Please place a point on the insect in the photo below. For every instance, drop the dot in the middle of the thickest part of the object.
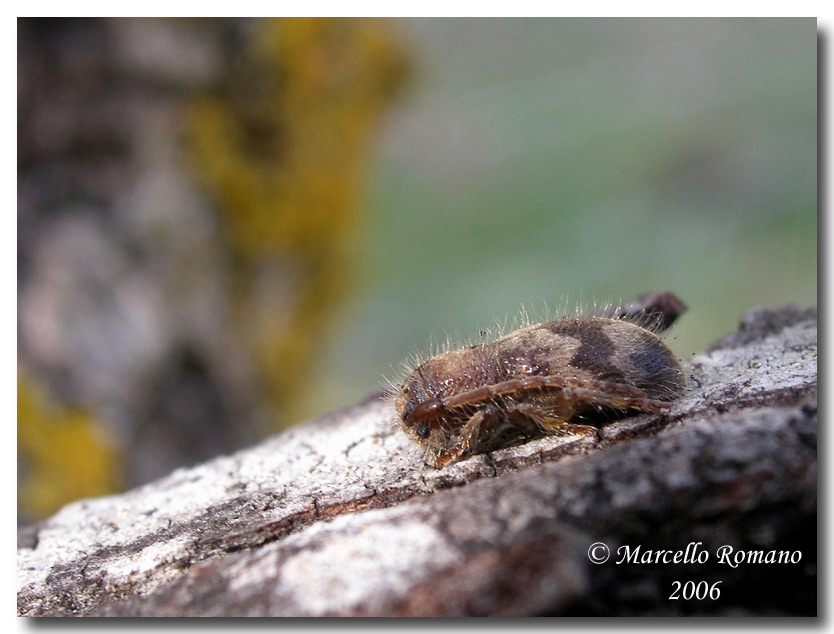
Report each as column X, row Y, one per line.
column 556, row 377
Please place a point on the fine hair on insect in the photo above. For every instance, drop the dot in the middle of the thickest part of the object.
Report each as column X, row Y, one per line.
column 554, row 377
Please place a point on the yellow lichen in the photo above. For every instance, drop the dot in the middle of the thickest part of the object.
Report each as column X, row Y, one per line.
column 282, row 146
column 63, row 454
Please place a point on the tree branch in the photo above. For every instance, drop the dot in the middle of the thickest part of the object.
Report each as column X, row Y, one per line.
column 341, row 515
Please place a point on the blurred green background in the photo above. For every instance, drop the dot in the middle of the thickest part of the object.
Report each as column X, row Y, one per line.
column 228, row 226
column 567, row 161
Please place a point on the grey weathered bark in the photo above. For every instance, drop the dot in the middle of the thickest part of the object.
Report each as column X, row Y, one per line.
column 340, row 516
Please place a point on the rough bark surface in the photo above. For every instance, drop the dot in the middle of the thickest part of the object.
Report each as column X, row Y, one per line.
column 341, row 515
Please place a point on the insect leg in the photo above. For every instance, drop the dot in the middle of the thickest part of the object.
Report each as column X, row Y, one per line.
column 623, row 400
column 468, row 436
column 622, row 393
column 551, row 423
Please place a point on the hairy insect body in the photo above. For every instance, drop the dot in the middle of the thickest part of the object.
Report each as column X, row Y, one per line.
column 550, row 378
